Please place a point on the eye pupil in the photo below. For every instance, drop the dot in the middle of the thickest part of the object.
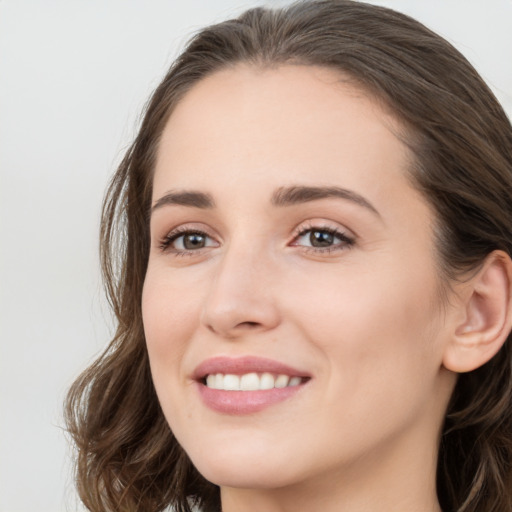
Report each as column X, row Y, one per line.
column 321, row 238
column 193, row 241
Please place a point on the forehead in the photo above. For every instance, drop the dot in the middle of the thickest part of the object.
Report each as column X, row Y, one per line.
column 279, row 125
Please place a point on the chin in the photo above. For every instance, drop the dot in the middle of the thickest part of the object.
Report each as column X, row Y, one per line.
column 244, row 468
column 243, row 476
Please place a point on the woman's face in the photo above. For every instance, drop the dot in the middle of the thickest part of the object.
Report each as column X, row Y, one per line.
column 287, row 240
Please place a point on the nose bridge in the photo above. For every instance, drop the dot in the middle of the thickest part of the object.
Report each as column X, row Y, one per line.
column 241, row 290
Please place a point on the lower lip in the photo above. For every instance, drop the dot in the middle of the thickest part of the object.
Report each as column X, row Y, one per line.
column 244, row 402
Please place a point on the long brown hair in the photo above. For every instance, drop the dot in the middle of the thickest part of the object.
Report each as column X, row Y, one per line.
column 127, row 457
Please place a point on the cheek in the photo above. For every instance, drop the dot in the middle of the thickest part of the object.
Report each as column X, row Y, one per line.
column 352, row 299
column 169, row 321
column 378, row 340
column 170, row 316
column 375, row 329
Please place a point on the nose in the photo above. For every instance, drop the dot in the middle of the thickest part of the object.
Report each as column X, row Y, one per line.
column 241, row 299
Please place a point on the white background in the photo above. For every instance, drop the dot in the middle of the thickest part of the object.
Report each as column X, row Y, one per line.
column 74, row 75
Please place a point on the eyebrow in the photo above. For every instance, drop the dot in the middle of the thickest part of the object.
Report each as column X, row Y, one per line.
column 288, row 196
column 283, row 196
column 185, row 198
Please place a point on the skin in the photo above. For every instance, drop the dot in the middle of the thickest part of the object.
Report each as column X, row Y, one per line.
column 364, row 319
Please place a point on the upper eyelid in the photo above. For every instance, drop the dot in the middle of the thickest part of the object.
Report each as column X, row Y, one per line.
column 324, row 224
column 192, row 227
column 319, row 227
column 300, row 228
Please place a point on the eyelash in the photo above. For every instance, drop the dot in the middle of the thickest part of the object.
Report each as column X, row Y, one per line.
column 346, row 241
column 166, row 242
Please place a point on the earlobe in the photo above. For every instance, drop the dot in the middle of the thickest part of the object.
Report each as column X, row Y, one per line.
column 487, row 316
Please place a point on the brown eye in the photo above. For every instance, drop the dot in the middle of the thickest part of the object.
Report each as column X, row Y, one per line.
column 187, row 242
column 194, row 241
column 321, row 239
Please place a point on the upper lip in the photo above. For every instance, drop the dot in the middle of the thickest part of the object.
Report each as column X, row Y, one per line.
column 246, row 364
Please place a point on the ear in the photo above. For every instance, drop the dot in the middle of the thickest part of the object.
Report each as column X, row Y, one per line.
column 486, row 314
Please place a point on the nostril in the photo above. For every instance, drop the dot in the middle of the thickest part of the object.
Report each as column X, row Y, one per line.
column 235, row 331
column 248, row 324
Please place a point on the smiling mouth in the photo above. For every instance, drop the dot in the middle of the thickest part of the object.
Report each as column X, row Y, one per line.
column 251, row 381
column 248, row 384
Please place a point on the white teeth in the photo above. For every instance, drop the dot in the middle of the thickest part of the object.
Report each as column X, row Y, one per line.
column 250, row 381
column 294, row 381
column 210, row 381
column 231, row 382
column 282, row 381
column 267, row 381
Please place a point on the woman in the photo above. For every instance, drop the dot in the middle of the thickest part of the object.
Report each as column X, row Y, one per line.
column 307, row 248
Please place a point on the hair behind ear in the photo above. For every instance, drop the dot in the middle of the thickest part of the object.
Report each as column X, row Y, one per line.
column 475, row 453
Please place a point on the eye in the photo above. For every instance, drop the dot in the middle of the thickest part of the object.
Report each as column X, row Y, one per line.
column 322, row 239
column 186, row 241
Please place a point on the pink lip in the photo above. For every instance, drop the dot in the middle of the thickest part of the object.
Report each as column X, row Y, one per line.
column 244, row 402
column 241, row 365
